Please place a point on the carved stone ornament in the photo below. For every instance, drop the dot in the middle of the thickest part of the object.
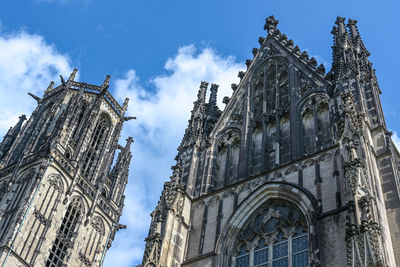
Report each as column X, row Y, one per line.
column 363, row 241
column 152, row 250
column 55, row 181
column 97, row 225
column 84, row 259
column 41, row 218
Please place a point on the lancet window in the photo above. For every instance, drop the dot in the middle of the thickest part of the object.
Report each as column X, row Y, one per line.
column 271, row 86
column 316, row 128
column 271, row 98
column 275, row 236
column 17, row 193
column 65, row 234
column 227, row 161
column 98, row 137
column 79, row 118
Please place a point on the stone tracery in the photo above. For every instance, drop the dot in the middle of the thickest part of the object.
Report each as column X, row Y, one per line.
column 276, row 235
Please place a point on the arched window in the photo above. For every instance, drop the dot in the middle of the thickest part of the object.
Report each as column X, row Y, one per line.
column 227, row 160
column 93, row 240
column 276, row 236
column 65, row 234
column 309, row 136
column 271, row 86
column 98, row 137
column 81, row 112
column 324, row 125
column 14, row 198
column 256, row 151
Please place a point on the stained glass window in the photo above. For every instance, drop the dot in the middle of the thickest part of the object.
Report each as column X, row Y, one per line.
column 277, row 238
column 243, row 258
column 261, row 254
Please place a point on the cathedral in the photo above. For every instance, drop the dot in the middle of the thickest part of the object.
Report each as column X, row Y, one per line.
column 299, row 169
column 61, row 196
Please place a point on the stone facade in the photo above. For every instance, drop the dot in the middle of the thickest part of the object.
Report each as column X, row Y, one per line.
column 298, row 170
column 60, row 196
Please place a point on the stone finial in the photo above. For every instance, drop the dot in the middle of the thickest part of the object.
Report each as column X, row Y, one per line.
column 261, row 40
column 104, row 86
column 312, row 62
column 321, row 69
column 72, row 76
column 201, row 95
column 248, row 62
column 254, row 51
column 339, row 20
column 296, row 50
column 352, row 22
column 234, row 86
column 177, row 174
column 225, row 100
column 62, row 80
column 290, row 44
column 270, row 24
column 213, row 94
column 50, row 87
column 304, row 56
column 340, row 25
column 125, row 105
column 106, row 81
column 129, row 141
column 356, row 37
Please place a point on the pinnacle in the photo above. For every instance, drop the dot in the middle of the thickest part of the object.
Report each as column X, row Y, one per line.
column 270, row 24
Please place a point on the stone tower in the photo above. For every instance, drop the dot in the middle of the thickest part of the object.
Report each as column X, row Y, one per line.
column 298, row 170
column 60, row 197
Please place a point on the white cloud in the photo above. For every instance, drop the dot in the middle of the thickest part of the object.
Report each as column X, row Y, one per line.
column 27, row 64
column 162, row 109
column 396, row 139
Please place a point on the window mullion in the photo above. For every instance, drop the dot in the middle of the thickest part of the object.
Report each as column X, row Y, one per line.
column 270, row 254
column 290, row 251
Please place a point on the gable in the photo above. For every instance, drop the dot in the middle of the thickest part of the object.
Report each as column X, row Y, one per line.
column 278, row 75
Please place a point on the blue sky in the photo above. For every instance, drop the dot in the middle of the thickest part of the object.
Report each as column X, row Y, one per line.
column 157, row 52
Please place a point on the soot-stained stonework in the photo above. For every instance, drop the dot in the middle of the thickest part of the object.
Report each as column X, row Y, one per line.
column 60, row 197
column 298, row 170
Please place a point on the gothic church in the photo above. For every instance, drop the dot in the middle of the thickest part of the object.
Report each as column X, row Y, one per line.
column 60, row 196
column 298, row 170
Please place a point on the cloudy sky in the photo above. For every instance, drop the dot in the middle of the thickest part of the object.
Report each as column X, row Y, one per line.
column 157, row 52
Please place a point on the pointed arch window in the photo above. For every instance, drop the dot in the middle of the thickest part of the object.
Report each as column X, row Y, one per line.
column 65, row 234
column 79, row 119
column 227, row 159
column 276, row 236
column 17, row 193
column 271, row 86
column 98, row 137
